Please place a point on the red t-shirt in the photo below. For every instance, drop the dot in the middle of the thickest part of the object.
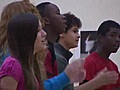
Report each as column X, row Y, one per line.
column 50, row 65
column 94, row 64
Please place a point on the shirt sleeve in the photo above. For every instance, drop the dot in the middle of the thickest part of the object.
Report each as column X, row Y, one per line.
column 57, row 83
column 11, row 68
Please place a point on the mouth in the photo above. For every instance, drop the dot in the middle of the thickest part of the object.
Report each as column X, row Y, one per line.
column 116, row 46
column 45, row 41
column 65, row 25
column 77, row 40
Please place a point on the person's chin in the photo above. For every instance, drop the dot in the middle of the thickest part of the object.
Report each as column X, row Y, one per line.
column 114, row 51
column 44, row 48
column 76, row 45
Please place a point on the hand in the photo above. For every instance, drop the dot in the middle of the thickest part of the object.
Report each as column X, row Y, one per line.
column 76, row 71
column 106, row 77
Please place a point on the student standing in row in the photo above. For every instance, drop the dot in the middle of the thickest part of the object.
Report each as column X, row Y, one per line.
column 108, row 41
column 54, row 25
column 66, row 41
column 10, row 10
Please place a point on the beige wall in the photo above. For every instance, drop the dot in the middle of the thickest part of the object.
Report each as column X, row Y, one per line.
column 91, row 13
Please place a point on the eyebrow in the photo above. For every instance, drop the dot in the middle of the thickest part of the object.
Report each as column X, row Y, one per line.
column 113, row 32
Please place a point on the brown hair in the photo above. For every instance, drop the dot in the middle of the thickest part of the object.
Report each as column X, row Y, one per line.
column 10, row 10
column 40, row 58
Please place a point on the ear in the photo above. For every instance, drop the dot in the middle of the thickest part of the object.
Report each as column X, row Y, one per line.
column 46, row 20
column 100, row 37
column 61, row 35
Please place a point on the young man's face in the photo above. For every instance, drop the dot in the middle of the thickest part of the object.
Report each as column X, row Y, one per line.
column 111, row 41
column 71, row 37
column 56, row 20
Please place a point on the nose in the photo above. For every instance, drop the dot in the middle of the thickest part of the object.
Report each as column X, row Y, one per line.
column 79, row 35
column 44, row 33
column 118, row 38
column 63, row 17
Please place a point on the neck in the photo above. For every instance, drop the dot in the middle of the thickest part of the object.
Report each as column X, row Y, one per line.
column 51, row 35
column 64, row 45
column 103, row 53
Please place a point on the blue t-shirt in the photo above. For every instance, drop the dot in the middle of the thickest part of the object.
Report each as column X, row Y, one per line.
column 57, row 82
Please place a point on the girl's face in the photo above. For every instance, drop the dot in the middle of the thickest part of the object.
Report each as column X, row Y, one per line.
column 41, row 41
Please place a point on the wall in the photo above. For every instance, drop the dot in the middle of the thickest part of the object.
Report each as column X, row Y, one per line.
column 91, row 13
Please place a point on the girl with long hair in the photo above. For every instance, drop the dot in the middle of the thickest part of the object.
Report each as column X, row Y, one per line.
column 10, row 10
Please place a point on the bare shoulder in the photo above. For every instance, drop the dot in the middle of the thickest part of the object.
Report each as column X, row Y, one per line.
column 8, row 83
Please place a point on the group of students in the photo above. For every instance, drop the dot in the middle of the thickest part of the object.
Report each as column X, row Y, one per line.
column 32, row 59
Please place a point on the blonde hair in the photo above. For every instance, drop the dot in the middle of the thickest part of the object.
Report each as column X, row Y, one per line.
column 40, row 57
column 10, row 10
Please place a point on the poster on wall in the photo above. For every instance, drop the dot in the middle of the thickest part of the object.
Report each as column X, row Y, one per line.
column 88, row 42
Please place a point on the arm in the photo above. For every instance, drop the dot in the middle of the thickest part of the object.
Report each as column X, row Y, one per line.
column 8, row 83
column 62, row 63
column 90, row 85
column 72, row 73
column 105, row 77
column 9, row 75
column 57, row 83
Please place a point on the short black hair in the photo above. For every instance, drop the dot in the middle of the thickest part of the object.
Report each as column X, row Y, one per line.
column 72, row 20
column 106, row 25
column 42, row 7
